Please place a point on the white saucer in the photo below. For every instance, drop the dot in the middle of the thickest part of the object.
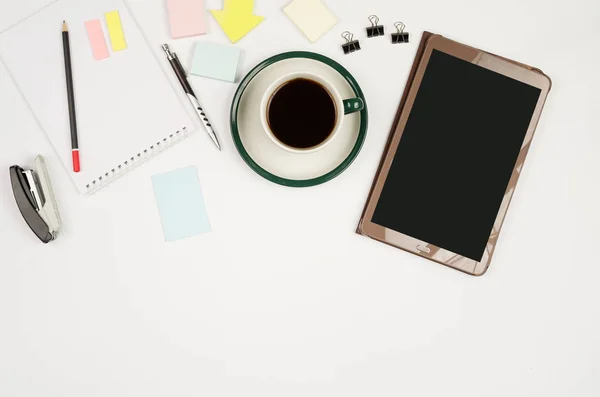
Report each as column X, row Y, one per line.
column 274, row 163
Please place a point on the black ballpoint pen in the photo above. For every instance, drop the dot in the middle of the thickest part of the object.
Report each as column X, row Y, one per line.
column 187, row 88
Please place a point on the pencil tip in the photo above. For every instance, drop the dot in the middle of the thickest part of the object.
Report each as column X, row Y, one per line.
column 64, row 26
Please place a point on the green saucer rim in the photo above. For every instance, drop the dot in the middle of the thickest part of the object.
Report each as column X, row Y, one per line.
column 297, row 182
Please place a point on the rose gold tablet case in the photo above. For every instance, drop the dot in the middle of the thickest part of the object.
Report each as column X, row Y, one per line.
column 515, row 70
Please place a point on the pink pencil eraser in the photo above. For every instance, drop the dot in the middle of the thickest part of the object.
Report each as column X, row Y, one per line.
column 186, row 18
column 96, row 38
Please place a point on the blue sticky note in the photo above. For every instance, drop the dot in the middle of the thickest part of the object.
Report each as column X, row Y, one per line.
column 180, row 203
column 216, row 61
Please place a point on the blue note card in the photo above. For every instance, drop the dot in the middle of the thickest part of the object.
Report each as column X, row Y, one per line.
column 216, row 61
column 180, row 203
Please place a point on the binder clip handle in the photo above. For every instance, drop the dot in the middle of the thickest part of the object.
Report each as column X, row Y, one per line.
column 400, row 26
column 348, row 37
column 374, row 19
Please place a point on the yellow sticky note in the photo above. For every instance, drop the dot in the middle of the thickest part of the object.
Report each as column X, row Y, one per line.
column 237, row 18
column 312, row 17
column 115, row 30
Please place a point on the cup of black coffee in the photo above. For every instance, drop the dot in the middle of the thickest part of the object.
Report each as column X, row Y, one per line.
column 302, row 112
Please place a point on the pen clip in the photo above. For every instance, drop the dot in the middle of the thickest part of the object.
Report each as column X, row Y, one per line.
column 179, row 65
column 174, row 60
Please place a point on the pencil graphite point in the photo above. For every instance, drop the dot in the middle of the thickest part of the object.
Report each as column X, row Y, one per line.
column 64, row 26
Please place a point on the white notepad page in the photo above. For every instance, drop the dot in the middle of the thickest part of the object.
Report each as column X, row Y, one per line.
column 127, row 110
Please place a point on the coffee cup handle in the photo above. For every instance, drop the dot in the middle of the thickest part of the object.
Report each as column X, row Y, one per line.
column 353, row 105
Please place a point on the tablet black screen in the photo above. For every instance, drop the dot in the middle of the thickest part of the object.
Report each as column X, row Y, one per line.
column 456, row 155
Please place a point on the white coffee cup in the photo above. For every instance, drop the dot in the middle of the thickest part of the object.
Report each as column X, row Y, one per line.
column 342, row 108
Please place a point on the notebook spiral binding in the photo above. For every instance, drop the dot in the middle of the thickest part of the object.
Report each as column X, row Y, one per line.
column 136, row 160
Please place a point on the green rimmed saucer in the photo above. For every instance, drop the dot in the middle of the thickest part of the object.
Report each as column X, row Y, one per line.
column 274, row 163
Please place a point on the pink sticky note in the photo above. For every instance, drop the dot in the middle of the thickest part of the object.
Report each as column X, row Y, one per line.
column 186, row 18
column 96, row 37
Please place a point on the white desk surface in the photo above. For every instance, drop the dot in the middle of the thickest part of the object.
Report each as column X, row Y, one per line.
column 282, row 298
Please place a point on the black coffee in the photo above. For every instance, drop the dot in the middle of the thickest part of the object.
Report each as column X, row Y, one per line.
column 301, row 114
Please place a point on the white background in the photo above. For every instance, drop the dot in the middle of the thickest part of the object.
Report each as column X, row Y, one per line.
column 282, row 298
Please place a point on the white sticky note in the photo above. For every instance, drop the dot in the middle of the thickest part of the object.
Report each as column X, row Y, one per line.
column 312, row 17
column 180, row 203
column 216, row 61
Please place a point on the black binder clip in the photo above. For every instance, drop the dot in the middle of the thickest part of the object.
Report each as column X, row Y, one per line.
column 351, row 44
column 375, row 30
column 401, row 36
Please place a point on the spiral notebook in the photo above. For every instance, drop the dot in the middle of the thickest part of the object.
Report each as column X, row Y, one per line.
column 127, row 111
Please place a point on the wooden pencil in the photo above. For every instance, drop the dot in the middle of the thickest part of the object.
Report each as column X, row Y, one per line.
column 70, row 97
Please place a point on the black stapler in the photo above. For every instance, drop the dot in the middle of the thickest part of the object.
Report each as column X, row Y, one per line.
column 35, row 199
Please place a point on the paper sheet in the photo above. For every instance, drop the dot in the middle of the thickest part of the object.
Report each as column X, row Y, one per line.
column 186, row 18
column 312, row 17
column 216, row 61
column 180, row 204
